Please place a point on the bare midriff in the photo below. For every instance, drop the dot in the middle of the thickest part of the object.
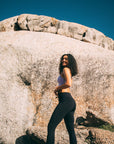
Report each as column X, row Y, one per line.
column 66, row 90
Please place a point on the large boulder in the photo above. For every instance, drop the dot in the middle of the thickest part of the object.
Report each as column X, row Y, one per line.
column 38, row 23
column 28, row 75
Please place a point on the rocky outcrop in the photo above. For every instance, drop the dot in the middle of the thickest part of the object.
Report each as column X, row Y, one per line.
column 9, row 24
column 99, row 136
column 84, row 136
column 48, row 24
column 39, row 134
column 28, row 75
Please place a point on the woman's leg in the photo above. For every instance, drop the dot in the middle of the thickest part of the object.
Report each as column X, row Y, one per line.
column 69, row 122
column 59, row 113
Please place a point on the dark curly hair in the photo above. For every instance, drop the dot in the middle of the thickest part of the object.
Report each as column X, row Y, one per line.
column 71, row 64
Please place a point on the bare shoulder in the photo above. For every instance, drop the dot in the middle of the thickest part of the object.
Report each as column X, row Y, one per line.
column 67, row 73
column 66, row 70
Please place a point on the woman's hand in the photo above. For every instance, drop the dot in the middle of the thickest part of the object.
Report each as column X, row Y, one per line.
column 57, row 90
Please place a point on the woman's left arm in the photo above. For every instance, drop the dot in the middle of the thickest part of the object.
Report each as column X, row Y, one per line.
column 68, row 80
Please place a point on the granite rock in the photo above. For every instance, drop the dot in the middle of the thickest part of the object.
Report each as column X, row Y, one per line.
column 28, row 75
column 40, row 23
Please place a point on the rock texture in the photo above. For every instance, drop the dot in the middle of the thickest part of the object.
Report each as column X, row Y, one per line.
column 98, row 136
column 48, row 24
column 28, row 75
column 84, row 136
column 40, row 133
column 101, row 136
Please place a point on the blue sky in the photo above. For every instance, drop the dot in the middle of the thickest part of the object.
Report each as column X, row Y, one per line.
column 98, row 14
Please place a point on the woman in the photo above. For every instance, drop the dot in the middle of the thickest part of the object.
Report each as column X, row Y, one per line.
column 66, row 107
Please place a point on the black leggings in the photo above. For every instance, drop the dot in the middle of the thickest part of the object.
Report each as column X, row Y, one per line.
column 65, row 109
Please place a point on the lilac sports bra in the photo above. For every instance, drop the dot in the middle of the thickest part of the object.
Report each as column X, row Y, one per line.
column 61, row 80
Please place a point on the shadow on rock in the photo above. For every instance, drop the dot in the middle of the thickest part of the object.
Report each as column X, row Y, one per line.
column 25, row 139
column 90, row 121
column 1, row 141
